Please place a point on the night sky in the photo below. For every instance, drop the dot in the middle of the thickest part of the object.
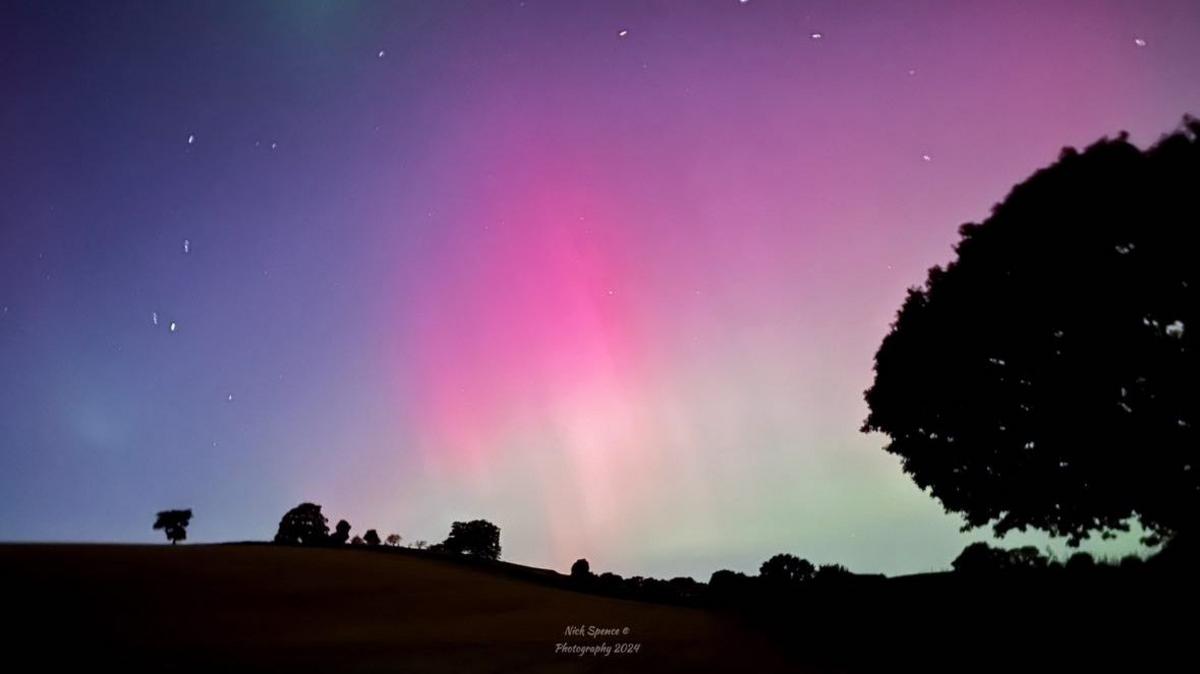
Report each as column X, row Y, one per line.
column 608, row 274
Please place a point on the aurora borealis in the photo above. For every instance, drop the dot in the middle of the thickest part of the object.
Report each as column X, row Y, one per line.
column 608, row 274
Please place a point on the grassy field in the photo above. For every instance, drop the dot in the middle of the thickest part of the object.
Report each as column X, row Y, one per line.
column 233, row 608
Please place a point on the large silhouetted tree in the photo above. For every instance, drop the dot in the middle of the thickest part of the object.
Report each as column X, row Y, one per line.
column 174, row 524
column 371, row 537
column 1045, row 378
column 303, row 525
column 477, row 538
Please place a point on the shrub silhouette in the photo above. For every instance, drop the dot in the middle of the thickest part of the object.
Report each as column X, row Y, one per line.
column 303, row 525
column 785, row 569
column 581, row 570
column 341, row 533
column 174, row 524
column 357, row 540
column 371, row 537
column 1044, row 378
column 477, row 538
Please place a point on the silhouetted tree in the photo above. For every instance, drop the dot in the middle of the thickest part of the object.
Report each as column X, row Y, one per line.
column 977, row 556
column 1026, row 557
column 1132, row 562
column 725, row 579
column 357, row 540
column 581, row 569
column 832, row 573
column 610, row 582
column 341, row 533
column 785, row 569
column 393, row 540
column 477, row 538
column 371, row 537
column 981, row 557
column 421, row 545
column 684, row 587
column 1045, row 377
column 174, row 524
column 1081, row 561
column 303, row 525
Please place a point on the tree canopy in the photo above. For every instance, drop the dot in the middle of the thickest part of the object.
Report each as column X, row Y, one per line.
column 1044, row 377
column 786, row 569
column 174, row 524
column 477, row 538
column 303, row 525
column 341, row 533
column 581, row 569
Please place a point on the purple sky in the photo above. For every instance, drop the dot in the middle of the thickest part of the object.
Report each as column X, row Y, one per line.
column 609, row 274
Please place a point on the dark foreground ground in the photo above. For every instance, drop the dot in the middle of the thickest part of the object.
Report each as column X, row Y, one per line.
column 261, row 608
column 256, row 608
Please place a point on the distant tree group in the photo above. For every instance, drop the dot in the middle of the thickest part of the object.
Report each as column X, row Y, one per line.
column 780, row 579
column 174, row 524
column 477, row 538
column 1045, row 378
column 981, row 557
column 306, row 525
column 303, row 525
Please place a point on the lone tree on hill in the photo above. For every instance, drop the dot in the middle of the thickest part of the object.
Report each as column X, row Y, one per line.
column 174, row 524
column 393, row 540
column 371, row 537
column 785, row 569
column 1045, row 377
column 477, row 538
column 303, row 525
